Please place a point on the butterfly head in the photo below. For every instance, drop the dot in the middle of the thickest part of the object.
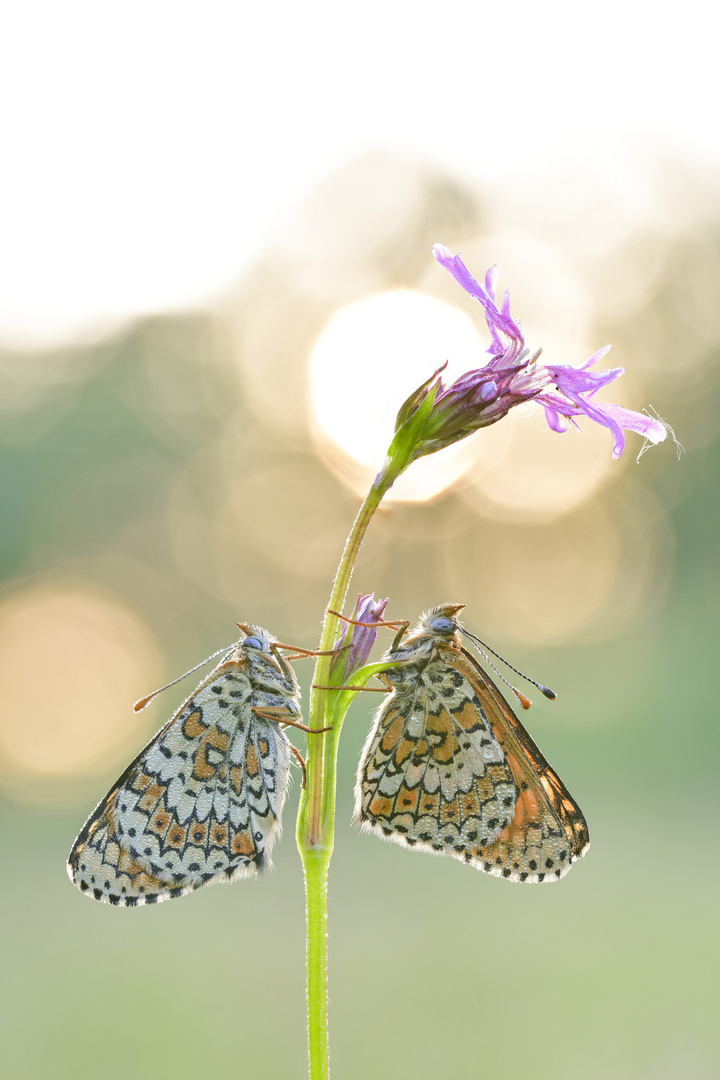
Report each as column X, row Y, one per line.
column 438, row 626
column 263, row 663
column 441, row 622
column 256, row 638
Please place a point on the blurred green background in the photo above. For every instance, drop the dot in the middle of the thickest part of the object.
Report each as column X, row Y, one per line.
column 172, row 478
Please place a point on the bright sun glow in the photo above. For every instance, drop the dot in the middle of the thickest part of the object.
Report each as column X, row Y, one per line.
column 368, row 359
column 147, row 154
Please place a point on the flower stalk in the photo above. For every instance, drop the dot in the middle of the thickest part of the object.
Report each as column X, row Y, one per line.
column 316, row 815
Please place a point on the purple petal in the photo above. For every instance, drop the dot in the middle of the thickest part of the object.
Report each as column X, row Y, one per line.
column 491, row 281
column 367, row 610
column 571, row 380
column 597, row 356
column 568, row 405
column 496, row 320
column 647, row 426
column 602, row 414
column 556, row 422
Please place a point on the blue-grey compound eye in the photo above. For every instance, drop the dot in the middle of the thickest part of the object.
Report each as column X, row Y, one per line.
column 442, row 625
column 253, row 643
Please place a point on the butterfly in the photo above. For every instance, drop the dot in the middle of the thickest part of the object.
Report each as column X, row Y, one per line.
column 448, row 768
column 202, row 802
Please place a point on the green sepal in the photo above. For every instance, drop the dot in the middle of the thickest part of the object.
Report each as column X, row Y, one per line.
column 416, row 398
column 410, row 432
column 337, row 663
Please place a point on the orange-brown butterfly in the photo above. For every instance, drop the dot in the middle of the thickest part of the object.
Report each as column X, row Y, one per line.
column 448, row 768
column 202, row 802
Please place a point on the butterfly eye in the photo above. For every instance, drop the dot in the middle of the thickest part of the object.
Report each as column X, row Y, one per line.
column 253, row 642
column 443, row 625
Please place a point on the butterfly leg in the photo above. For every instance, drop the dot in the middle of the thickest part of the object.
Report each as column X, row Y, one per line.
column 400, row 625
column 280, row 716
column 300, row 653
column 301, row 759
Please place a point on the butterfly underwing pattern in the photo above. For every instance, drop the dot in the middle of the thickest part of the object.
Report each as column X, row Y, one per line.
column 202, row 802
column 449, row 769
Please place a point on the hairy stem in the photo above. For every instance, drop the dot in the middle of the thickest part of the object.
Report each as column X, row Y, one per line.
column 316, row 816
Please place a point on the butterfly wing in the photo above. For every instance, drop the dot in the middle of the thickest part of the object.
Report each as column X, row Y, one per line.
column 432, row 774
column 548, row 831
column 201, row 803
column 99, row 865
column 449, row 768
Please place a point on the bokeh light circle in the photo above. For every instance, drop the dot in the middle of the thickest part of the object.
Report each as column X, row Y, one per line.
column 368, row 359
column 72, row 661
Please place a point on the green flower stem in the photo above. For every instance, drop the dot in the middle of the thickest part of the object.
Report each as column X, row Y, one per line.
column 316, row 816
column 315, row 864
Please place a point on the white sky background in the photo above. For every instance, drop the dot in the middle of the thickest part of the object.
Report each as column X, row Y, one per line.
column 150, row 149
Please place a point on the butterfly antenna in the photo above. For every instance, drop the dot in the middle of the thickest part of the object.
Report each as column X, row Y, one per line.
column 146, row 700
column 524, row 701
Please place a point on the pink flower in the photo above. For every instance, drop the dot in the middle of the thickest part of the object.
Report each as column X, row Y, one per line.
column 513, row 376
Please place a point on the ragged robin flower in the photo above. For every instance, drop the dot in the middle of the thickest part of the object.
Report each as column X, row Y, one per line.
column 511, row 377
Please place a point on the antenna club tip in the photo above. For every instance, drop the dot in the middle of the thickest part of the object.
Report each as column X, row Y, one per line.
column 140, row 705
column 524, row 701
column 548, row 692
